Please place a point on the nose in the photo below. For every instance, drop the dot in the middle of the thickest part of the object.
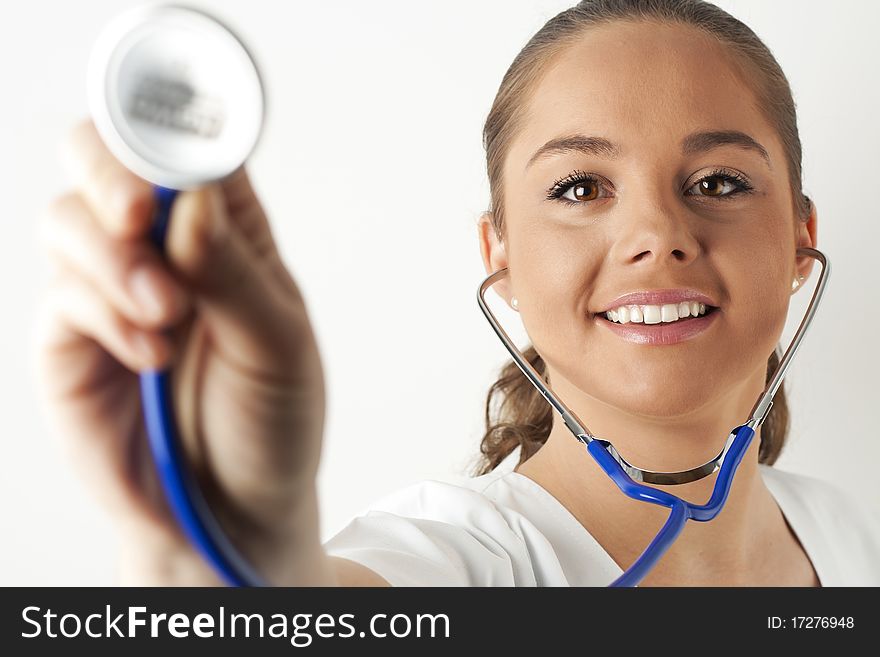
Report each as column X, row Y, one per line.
column 653, row 232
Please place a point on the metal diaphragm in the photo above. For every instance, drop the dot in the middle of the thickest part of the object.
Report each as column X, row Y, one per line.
column 175, row 95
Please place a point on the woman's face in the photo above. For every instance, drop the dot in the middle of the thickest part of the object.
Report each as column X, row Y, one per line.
column 648, row 222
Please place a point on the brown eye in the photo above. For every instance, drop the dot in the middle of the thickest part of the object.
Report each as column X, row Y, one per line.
column 713, row 186
column 576, row 189
column 719, row 185
column 585, row 191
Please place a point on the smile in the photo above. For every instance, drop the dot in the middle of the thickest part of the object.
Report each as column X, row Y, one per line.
column 655, row 314
column 654, row 326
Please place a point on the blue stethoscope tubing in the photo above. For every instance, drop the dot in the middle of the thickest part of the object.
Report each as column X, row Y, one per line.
column 681, row 510
column 189, row 506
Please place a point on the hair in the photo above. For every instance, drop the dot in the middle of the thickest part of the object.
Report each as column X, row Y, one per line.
column 516, row 414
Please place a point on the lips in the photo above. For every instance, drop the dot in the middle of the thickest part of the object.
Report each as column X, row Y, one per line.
column 664, row 333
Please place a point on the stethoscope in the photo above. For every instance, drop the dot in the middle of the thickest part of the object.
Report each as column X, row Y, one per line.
column 179, row 100
column 628, row 477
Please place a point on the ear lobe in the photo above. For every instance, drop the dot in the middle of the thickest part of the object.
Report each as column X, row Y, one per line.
column 493, row 252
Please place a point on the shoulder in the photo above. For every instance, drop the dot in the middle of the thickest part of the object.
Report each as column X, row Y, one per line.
column 839, row 526
column 443, row 533
column 822, row 497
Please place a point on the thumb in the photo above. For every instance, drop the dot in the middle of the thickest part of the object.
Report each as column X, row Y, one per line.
column 247, row 311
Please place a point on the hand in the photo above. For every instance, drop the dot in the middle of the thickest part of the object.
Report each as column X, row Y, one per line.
column 247, row 382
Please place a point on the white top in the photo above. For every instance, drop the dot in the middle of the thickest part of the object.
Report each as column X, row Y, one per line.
column 504, row 529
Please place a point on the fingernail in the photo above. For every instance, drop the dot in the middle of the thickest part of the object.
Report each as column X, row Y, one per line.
column 146, row 290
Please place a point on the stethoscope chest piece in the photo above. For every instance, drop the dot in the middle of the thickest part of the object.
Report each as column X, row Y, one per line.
column 175, row 95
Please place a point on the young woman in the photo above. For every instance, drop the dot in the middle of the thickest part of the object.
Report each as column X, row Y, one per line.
column 632, row 147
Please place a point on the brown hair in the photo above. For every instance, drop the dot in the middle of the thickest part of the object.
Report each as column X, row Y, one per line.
column 516, row 413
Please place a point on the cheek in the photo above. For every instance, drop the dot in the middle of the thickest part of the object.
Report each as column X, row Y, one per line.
column 551, row 276
column 759, row 299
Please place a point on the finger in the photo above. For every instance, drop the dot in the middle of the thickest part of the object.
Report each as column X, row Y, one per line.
column 78, row 310
column 130, row 274
column 122, row 202
column 93, row 414
column 247, row 213
column 248, row 216
column 260, row 322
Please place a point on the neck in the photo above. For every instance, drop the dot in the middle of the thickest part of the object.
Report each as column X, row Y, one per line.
column 728, row 546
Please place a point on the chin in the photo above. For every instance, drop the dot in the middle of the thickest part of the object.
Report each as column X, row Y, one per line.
column 653, row 389
column 661, row 397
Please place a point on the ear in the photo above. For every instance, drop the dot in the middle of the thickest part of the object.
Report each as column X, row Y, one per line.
column 494, row 254
column 806, row 235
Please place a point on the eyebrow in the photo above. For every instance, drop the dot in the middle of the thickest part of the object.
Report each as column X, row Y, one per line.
column 697, row 142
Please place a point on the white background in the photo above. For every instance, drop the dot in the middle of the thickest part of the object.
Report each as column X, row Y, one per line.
column 372, row 170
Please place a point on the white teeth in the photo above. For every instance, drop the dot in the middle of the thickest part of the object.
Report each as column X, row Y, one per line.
column 667, row 312
column 652, row 314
